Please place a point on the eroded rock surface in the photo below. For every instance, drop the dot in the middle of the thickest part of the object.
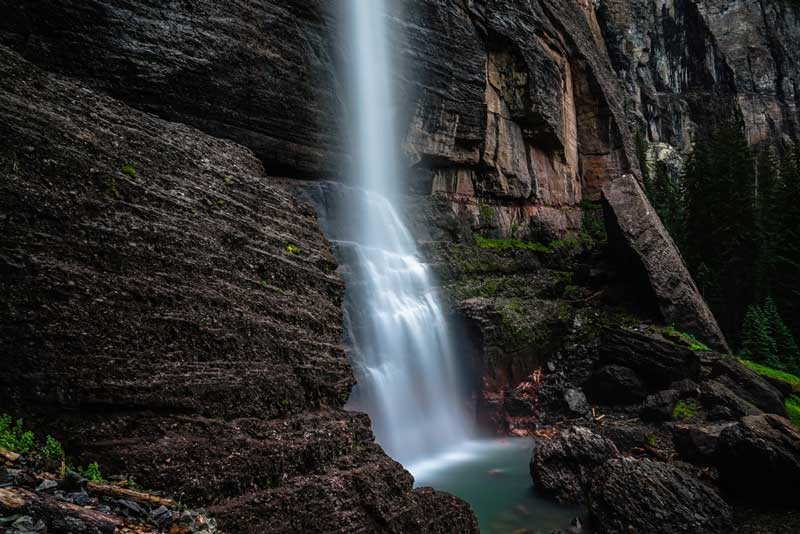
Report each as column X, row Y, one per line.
column 169, row 313
column 629, row 495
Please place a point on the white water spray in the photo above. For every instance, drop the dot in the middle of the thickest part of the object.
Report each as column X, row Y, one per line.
column 409, row 379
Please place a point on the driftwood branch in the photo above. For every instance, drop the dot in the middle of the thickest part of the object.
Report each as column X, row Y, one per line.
column 119, row 492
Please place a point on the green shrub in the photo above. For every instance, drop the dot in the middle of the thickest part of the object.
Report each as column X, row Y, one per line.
column 13, row 437
column 685, row 410
column 92, row 472
column 52, row 449
column 792, row 406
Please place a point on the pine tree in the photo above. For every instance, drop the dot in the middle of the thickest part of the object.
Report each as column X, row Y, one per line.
column 757, row 343
column 786, row 350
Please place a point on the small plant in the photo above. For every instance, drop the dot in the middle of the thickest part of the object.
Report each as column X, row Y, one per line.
column 52, row 449
column 129, row 170
column 220, row 202
column 14, row 437
column 194, row 212
column 651, row 440
column 291, row 248
column 285, row 402
column 264, row 284
column 204, row 323
column 92, row 472
column 685, row 410
column 228, row 180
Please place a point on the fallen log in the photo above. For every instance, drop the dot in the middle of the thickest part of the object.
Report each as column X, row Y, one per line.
column 119, row 492
column 8, row 455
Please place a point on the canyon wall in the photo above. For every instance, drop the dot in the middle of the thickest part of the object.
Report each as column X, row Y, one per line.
column 159, row 279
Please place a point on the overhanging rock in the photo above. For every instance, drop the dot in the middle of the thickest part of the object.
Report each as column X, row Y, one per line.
column 644, row 248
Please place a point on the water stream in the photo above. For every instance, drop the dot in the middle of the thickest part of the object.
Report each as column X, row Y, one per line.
column 410, row 379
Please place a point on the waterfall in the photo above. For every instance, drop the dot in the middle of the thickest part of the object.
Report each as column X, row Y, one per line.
column 408, row 374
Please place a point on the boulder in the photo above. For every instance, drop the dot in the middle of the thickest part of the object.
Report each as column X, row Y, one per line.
column 649, row 254
column 561, row 466
column 722, row 404
column 628, row 495
column 615, row 384
column 657, row 362
column 759, row 459
column 658, row 407
column 576, row 401
column 747, row 385
column 698, row 443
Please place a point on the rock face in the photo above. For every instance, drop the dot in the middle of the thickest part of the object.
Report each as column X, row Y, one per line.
column 156, row 318
column 639, row 496
column 759, row 459
column 645, row 246
column 562, row 467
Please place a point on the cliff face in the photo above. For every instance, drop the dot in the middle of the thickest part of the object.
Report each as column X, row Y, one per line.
column 171, row 314
column 157, row 278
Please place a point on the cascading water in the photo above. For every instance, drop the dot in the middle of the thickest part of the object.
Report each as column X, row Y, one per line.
column 408, row 376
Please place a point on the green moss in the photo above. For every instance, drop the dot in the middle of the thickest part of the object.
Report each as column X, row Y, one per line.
column 685, row 410
column 792, row 405
column 763, row 370
column 14, row 437
column 510, row 244
column 683, row 338
column 129, row 170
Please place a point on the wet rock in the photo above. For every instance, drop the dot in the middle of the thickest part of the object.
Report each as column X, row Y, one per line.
column 698, row 443
column 73, row 481
column 722, row 404
column 561, row 466
column 686, row 388
column 658, row 407
column 576, row 401
column 657, row 362
column 47, row 485
column 615, row 384
column 759, row 459
column 747, row 385
column 649, row 254
column 629, row 495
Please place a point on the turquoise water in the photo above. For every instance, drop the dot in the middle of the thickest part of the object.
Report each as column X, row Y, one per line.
column 494, row 477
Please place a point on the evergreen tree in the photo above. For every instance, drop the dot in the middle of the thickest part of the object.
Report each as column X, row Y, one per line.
column 721, row 220
column 786, row 351
column 757, row 343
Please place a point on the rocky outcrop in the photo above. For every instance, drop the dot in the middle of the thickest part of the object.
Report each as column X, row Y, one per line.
column 644, row 246
column 629, row 495
column 171, row 314
column 658, row 363
column 759, row 459
column 562, row 466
